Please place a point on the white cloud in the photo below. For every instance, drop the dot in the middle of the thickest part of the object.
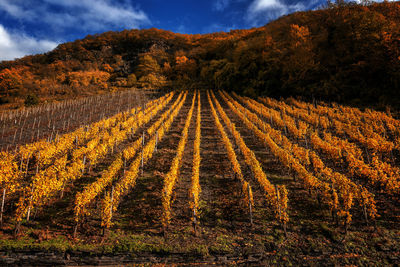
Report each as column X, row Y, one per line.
column 16, row 45
column 14, row 10
column 95, row 15
column 262, row 11
column 100, row 14
column 260, row 5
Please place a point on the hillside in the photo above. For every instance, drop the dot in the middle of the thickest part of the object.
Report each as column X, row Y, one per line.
column 348, row 54
column 200, row 178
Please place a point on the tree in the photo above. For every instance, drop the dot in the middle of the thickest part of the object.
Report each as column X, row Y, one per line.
column 152, row 81
column 299, row 60
column 132, row 80
column 10, row 82
column 86, row 78
column 147, row 65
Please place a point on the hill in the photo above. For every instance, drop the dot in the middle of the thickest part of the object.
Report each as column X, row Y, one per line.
column 346, row 53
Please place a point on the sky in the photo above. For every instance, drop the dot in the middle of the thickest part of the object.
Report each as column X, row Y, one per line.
column 37, row 26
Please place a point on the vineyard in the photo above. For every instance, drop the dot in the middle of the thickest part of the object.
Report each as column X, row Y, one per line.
column 203, row 174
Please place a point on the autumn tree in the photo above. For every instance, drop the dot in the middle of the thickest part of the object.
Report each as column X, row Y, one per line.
column 10, row 82
column 299, row 62
column 131, row 80
column 85, row 78
column 152, row 81
column 147, row 65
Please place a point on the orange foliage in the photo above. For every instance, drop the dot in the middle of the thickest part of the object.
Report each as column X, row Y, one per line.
column 300, row 34
column 84, row 78
column 107, row 68
column 181, row 60
column 9, row 80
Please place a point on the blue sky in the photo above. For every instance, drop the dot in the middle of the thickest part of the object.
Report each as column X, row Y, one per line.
column 36, row 26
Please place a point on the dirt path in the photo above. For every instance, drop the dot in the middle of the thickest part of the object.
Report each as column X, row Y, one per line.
column 141, row 210
column 301, row 205
column 220, row 192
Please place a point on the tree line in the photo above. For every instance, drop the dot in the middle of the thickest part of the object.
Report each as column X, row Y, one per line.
column 345, row 52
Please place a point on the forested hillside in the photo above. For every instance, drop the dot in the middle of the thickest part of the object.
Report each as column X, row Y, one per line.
column 345, row 53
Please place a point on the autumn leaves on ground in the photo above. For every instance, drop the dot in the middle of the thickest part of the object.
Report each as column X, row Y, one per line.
column 206, row 176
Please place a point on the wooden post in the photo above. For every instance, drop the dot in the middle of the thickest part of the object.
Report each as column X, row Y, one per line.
column 15, row 135
column 84, row 163
column 33, row 135
column 37, row 163
column 75, row 229
column 2, row 133
column 111, row 200
column 20, row 165
column 29, row 208
column 250, row 207
column 20, row 135
column 2, row 208
column 142, row 161
column 34, row 215
column 278, row 200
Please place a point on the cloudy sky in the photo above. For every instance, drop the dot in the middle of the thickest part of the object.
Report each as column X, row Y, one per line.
column 36, row 26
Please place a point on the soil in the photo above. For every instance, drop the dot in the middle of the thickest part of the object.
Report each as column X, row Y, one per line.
column 224, row 234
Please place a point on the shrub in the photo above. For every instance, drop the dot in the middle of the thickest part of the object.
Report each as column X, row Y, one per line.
column 31, row 100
